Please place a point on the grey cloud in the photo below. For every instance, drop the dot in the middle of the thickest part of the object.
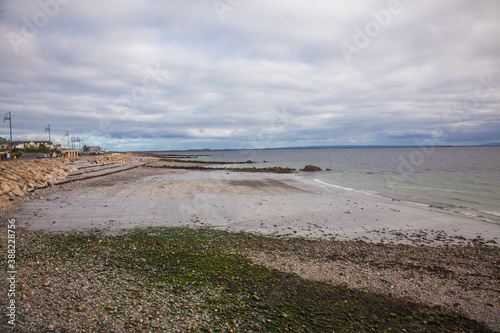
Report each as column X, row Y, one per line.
column 225, row 83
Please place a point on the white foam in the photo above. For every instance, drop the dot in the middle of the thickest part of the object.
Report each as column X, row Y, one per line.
column 346, row 188
column 434, row 189
column 335, row 186
column 492, row 212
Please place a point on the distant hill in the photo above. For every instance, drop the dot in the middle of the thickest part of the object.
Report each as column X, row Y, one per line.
column 383, row 146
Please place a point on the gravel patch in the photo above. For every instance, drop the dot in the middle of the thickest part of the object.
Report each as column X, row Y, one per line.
column 80, row 294
column 462, row 279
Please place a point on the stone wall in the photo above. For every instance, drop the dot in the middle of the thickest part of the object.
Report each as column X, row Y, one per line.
column 19, row 177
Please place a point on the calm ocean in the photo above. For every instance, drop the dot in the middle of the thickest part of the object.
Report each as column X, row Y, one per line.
column 461, row 179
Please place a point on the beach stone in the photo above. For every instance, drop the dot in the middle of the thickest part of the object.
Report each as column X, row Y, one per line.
column 18, row 193
column 8, row 176
column 4, row 187
column 4, row 201
column 13, row 186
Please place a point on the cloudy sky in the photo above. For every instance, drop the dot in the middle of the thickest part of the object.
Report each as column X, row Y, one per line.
column 192, row 74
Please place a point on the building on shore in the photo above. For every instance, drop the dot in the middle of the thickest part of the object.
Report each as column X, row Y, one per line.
column 33, row 145
column 92, row 150
column 69, row 152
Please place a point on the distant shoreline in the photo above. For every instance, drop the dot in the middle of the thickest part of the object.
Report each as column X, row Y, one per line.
column 308, row 147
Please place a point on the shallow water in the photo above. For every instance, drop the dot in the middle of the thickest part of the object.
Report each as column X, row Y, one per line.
column 461, row 179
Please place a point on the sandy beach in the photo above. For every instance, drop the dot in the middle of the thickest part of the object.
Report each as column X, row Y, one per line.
column 429, row 255
column 273, row 204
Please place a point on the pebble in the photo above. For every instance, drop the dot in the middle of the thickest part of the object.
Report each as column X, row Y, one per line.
column 459, row 278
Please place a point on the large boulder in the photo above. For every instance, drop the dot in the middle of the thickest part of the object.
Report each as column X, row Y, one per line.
column 4, row 201
column 4, row 187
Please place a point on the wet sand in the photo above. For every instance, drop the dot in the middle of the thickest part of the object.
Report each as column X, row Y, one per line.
column 273, row 204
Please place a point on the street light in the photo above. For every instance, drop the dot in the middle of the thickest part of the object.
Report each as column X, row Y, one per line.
column 67, row 135
column 47, row 128
column 8, row 116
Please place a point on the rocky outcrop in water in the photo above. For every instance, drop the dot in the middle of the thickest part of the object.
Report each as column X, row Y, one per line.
column 19, row 177
column 311, row 168
column 196, row 167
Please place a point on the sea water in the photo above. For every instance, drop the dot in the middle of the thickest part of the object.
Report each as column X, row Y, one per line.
column 460, row 179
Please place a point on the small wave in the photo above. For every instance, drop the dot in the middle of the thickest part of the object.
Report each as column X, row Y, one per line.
column 336, row 186
column 433, row 189
column 492, row 212
column 488, row 216
column 346, row 188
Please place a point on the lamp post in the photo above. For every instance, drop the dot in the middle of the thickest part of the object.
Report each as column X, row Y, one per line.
column 8, row 116
column 67, row 135
column 47, row 128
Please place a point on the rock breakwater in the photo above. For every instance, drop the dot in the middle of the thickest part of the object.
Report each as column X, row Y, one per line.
column 113, row 158
column 19, row 177
column 253, row 169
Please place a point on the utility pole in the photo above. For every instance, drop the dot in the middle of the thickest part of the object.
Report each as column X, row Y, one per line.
column 8, row 116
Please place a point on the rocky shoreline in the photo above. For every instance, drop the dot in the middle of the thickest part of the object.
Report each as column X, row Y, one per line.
column 19, row 177
column 464, row 279
column 96, row 283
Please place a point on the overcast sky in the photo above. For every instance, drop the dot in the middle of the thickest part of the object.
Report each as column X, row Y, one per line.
column 192, row 74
